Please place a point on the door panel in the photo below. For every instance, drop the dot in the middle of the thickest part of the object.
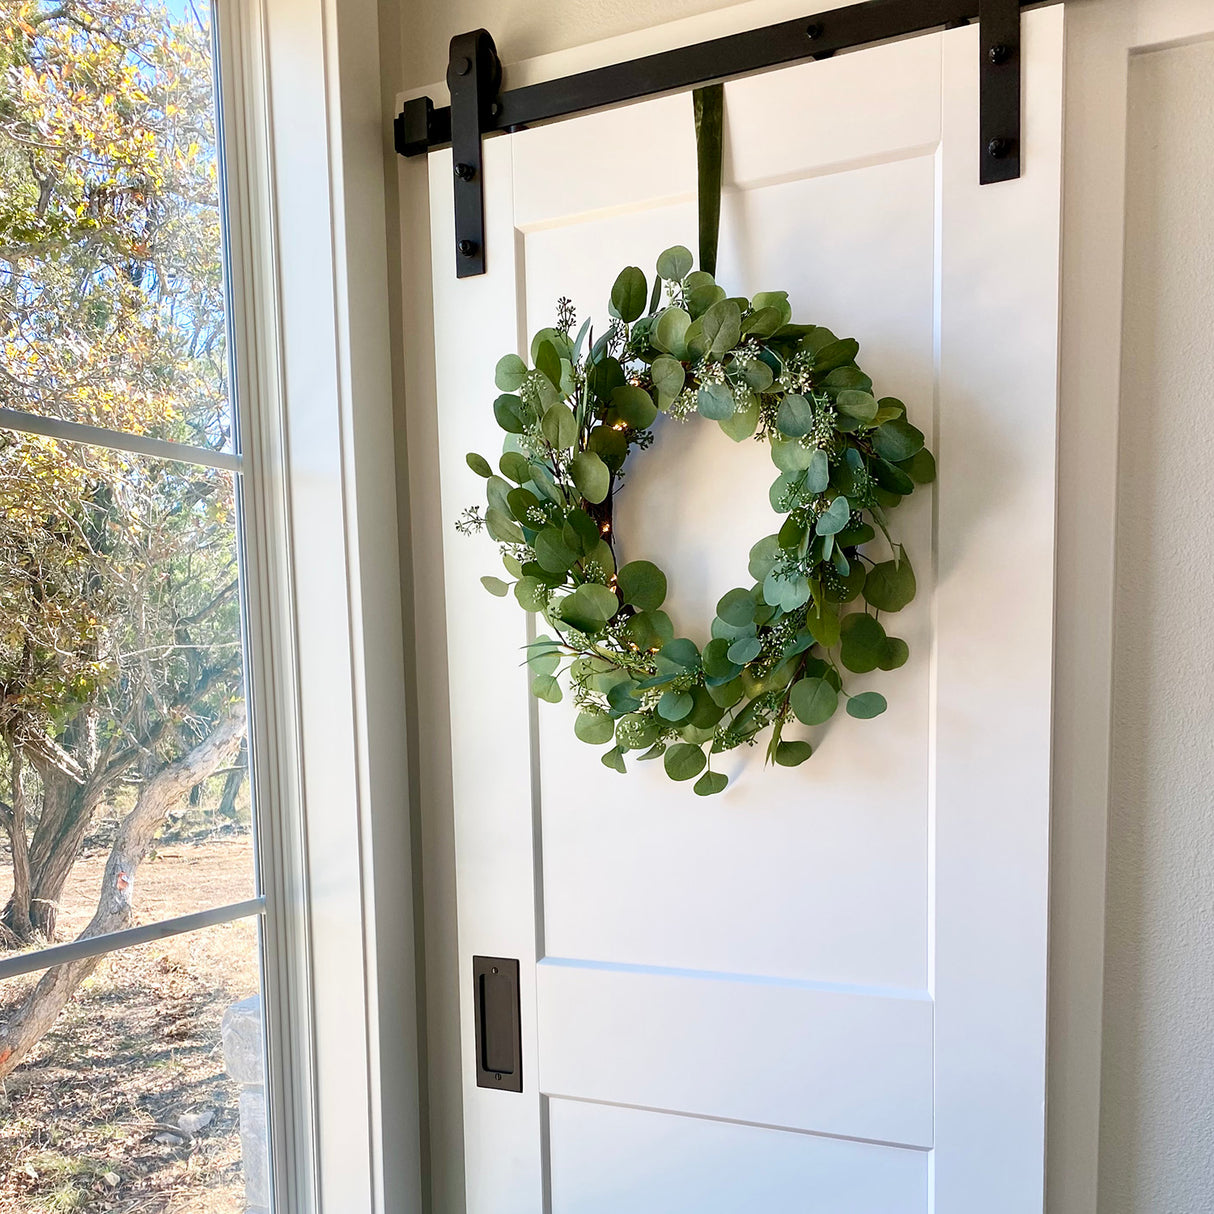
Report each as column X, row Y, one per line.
column 610, row 1160
column 823, row 989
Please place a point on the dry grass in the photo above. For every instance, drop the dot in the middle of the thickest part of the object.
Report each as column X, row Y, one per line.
column 139, row 1044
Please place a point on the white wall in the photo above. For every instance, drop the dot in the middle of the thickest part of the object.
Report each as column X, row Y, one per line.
column 1157, row 1131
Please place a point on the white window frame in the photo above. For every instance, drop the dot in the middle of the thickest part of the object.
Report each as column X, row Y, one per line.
column 301, row 135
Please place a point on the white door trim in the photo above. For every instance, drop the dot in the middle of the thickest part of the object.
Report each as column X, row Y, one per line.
column 1102, row 35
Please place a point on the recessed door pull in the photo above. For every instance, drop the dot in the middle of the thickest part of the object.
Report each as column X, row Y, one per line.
column 499, row 1045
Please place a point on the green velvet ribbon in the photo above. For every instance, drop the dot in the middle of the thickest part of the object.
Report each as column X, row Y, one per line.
column 709, row 103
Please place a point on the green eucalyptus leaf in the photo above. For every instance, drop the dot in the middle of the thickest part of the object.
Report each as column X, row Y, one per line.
column 715, row 401
column 862, row 642
column 711, row 782
column 860, row 405
column 890, row 585
column 531, row 593
column 866, row 705
column 552, row 552
column 642, row 584
column 605, row 376
column 479, row 464
column 757, row 374
column 546, row 687
column 495, row 586
column 560, row 427
column 502, row 527
column 764, row 556
column 682, row 652
column 894, row 653
column 813, row 701
column 834, row 518
column 817, row 476
column 737, row 607
column 509, row 373
column 675, row 263
column 744, row 650
column 610, row 445
column 744, row 420
column 628, row 294
column 836, row 354
column 634, row 405
column 683, row 761
column 897, row 440
column 795, row 416
column 669, row 332
column 669, row 376
column 921, row 467
column 788, row 591
column 792, row 754
column 515, row 467
column 591, row 476
column 614, row 758
column 762, row 322
column 721, row 327
column 717, row 665
column 589, row 607
column 509, row 412
column 594, row 728
column 792, row 455
column 548, row 362
column 675, row 706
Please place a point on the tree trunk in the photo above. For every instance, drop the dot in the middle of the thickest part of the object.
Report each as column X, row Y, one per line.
column 27, row 1024
column 67, row 810
column 233, row 781
column 17, row 913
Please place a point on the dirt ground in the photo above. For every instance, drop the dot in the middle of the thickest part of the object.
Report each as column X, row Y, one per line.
column 137, row 1047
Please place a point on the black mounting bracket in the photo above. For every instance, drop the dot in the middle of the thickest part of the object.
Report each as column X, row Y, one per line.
column 479, row 108
column 999, row 91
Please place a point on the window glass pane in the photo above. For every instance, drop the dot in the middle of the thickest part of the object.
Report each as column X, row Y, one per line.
column 159, row 1037
column 111, row 283
column 122, row 762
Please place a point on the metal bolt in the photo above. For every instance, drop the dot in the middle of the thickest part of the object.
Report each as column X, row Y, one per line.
column 999, row 53
column 495, row 109
column 462, row 66
column 496, row 1076
column 495, row 969
column 812, row 31
column 997, row 149
column 465, row 172
column 466, row 249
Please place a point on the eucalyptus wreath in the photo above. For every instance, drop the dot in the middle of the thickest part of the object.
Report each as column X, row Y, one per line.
column 780, row 644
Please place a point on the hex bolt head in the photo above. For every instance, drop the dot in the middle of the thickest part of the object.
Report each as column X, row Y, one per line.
column 997, row 149
column 813, row 30
column 999, row 53
column 465, row 172
column 466, row 248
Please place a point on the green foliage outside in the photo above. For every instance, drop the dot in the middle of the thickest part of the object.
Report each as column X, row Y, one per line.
column 119, row 602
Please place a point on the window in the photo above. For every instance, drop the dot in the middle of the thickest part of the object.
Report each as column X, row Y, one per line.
column 131, row 955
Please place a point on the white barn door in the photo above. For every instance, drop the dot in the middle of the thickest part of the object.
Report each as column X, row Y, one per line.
column 824, row 990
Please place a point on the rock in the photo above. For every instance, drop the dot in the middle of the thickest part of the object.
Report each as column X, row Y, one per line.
column 241, row 1035
column 191, row 1123
column 254, row 1147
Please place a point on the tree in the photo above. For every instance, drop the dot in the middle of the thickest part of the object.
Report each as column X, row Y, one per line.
column 120, row 661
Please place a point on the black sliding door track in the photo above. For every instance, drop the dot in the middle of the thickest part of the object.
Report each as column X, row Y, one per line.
column 479, row 107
